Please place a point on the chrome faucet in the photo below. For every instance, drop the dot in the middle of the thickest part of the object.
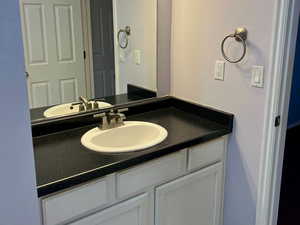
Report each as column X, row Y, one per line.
column 84, row 104
column 83, row 100
column 88, row 105
column 112, row 119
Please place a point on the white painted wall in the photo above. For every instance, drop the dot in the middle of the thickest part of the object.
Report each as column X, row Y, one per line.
column 140, row 15
column 198, row 29
column 18, row 197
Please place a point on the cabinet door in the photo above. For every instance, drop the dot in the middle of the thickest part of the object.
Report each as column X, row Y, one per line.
column 195, row 199
column 136, row 211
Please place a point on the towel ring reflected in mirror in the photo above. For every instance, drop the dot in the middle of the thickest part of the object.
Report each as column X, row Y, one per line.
column 240, row 35
column 123, row 37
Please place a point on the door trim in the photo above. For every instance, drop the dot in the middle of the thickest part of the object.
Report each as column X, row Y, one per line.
column 285, row 26
column 87, row 44
column 25, row 58
column 116, row 48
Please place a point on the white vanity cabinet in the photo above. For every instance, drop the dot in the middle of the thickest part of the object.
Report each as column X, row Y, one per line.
column 135, row 211
column 182, row 188
column 194, row 199
column 60, row 208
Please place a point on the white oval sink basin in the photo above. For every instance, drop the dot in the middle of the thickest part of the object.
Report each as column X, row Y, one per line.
column 66, row 109
column 133, row 136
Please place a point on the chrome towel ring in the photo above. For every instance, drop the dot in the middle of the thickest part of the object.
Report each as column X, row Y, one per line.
column 239, row 35
column 123, row 37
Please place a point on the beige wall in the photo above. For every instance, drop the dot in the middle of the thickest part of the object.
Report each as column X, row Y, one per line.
column 198, row 29
column 140, row 15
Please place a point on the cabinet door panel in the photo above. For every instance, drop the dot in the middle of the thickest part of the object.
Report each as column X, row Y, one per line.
column 135, row 211
column 65, row 206
column 194, row 199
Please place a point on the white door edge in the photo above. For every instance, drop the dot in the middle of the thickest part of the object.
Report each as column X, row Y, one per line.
column 87, row 30
column 278, row 92
column 116, row 48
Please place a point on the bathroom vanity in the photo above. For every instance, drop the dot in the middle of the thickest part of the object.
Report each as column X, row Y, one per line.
column 90, row 64
column 178, row 181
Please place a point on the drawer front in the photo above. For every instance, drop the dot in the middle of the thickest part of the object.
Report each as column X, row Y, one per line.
column 205, row 154
column 135, row 211
column 64, row 206
column 133, row 180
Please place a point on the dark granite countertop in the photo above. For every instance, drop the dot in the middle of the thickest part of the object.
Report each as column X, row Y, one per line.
column 62, row 161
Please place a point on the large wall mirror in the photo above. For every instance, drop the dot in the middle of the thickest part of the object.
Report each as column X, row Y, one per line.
column 84, row 55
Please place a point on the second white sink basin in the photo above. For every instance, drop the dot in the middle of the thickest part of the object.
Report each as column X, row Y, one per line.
column 67, row 109
column 132, row 136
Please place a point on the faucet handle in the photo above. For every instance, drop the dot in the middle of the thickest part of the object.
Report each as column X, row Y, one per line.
column 104, row 124
column 99, row 115
column 83, row 99
column 122, row 110
column 95, row 105
column 81, row 108
column 89, row 106
column 121, row 115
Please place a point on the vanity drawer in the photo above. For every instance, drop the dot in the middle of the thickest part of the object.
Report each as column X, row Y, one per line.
column 205, row 154
column 135, row 211
column 136, row 179
column 70, row 204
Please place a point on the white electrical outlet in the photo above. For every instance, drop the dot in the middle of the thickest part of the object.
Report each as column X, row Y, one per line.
column 257, row 79
column 219, row 70
column 122, row 57
column 137, row 57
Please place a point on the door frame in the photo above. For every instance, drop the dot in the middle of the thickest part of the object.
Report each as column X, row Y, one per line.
column 116, row 48
column 88, row 47
column 24, row 50
column 282, row 57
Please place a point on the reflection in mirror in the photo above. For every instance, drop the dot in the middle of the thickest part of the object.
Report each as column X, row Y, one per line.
column 88, row 54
